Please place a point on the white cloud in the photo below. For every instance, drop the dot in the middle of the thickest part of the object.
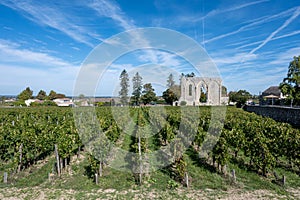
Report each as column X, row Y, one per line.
column 233, row 59
column 287, row 35
column 21, row 68
column 113, row 11
column 251, row 25
column 11, row 52
column 60, row 80
column 50, row 15
column 284, row 58
column 254, row 80
column 187, row 18
column 234, row 8
column 285, row 24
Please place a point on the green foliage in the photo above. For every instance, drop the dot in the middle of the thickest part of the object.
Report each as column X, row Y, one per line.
column 172, row 93
column 124, row 83
column 41, row 95
column 48, row 103
column 25, row 94
column 148, row 94
column 53, row 95
column 290, row 86
column 169, row 96
column 172, row 184
column 44, row 103
column 203, row 97
column 19, row 103
column 256, row 143
column 37, row 129
column 188, row 75
column 220, row 152
column 178, row 169
column 240, row 97
column 170, row 81
column 224, row 91
column 137, row 88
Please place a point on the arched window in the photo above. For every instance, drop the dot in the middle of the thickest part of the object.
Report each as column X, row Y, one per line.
column 203, row 94
column 190, row 89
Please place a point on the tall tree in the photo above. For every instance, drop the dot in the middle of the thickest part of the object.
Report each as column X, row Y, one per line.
column 240, row 97
column 59, row 95
column 172, row 93
column 52, row 95
column 169, row 96
column 290, row 86
column 224, row 91
column 170, row 81
column 137, row 88
column 41, row 95
column 124, row 83
column 148, row 94
column 25, row 94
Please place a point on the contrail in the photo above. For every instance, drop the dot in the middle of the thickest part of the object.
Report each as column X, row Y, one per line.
column 285, row 24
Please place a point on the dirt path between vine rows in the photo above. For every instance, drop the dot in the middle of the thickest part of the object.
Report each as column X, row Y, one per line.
column 39, row 193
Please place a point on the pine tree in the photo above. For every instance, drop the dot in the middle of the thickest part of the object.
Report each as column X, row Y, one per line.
column 137, row 88
column 25, row 94
column 148, row 94
column 41, row 95
column 124, row 83
column 172, row 93
column 170, row 81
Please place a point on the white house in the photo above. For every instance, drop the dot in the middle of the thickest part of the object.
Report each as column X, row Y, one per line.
column 29, row 101
column 64, row 102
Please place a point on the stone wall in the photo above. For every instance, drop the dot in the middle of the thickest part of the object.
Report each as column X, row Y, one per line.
column 191, row 88
column 282, row 114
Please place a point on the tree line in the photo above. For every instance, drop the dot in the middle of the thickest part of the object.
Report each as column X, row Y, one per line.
column 42, row 95
column 145, row 93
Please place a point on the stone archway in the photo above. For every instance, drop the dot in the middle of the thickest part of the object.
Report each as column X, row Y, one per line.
column 201, row 90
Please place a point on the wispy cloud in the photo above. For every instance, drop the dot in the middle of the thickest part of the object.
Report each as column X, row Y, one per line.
column 34, row 69
column 60, row 80
column 284, row 58
column 111, row 10
column 285, row 24
column 250, row 26
column 51, row 16
column 13, row 53
column 233, row 59
column 287, row 35
column 187, row 18
column 261, row 41
column 233, row 8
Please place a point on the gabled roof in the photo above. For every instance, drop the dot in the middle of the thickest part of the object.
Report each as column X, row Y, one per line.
column 273, row 90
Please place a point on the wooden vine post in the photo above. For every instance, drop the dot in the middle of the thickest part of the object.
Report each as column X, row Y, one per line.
column 5, row 177
column 100, row 168
column 96, row 179
column 20, row 158
column 57, row 159
column 233, row 175
column 140, row 160
column 186, row 179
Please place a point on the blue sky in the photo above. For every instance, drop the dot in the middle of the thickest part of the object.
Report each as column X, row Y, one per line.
column 44, row 43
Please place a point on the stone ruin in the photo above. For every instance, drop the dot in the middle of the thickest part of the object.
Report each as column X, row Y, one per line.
column 197, row 91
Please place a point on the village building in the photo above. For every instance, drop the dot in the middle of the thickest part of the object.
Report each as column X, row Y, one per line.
column 271, row 96
column 63, row 102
